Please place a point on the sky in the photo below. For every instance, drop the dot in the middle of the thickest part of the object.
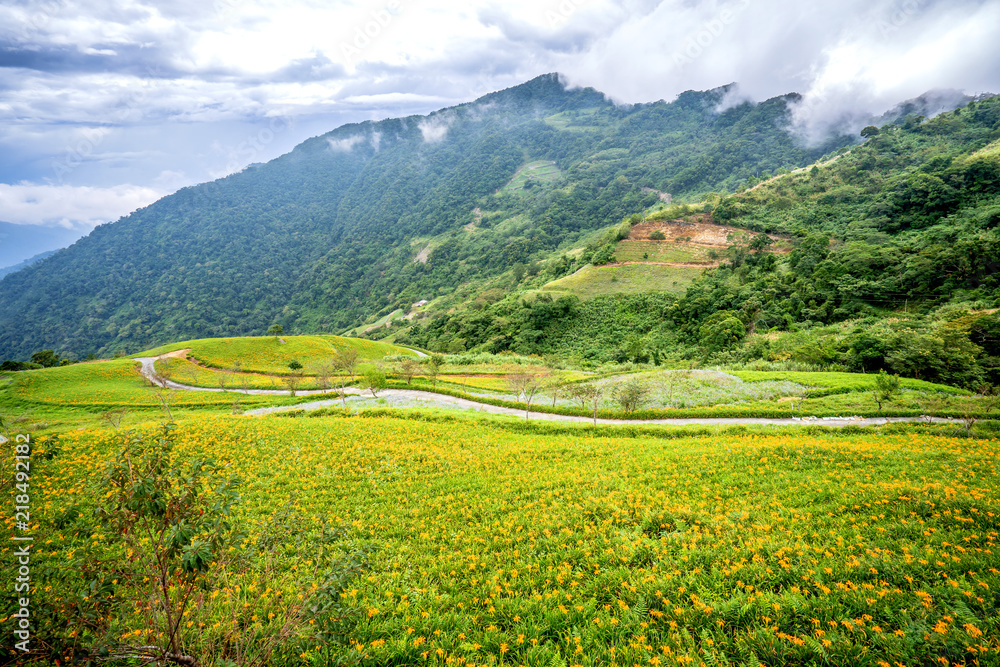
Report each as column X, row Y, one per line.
column 108, row 105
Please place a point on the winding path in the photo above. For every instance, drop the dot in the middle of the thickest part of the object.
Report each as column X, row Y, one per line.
column 148, row 371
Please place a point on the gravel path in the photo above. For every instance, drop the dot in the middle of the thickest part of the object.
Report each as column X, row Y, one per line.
column 416, row 398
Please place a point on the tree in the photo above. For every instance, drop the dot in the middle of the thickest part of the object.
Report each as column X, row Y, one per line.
column 407, row 369
column 324, row 370
column 434, row 364
column 869, row 132
column 721, row 331
column 657, row 235
column 295, row 365
column 292, row 382
column 164, row 396
column 174, row 518
column 45, row 358
column 346, row 362
column 593, row 394
column 275, row 330
column 525, row 385
column 630, row 395
column 555, row 386
column 886, row 387
column 375, row 381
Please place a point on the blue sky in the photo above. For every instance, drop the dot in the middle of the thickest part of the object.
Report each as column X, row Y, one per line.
column 107, row 105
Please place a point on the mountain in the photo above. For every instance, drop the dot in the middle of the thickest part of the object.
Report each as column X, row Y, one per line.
column 885, row 258
column 26, row 263
column 25, row 242
column 375, row 215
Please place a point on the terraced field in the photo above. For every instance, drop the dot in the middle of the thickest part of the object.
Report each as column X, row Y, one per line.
column 592, row 281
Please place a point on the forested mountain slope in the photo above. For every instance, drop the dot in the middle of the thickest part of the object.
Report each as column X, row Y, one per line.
column 323, row 237
column 895, row 265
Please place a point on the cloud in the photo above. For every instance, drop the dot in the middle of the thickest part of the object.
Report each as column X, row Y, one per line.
column 849, row 59
column 434, row 128
column 345, row 145
column 71, row 207
column 125, row 91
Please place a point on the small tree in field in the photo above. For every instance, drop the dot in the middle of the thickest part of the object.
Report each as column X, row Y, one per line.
column 174, row 518
column 375, row 381
column 525, row 385
column 886, row 387
column 407, row 369
column 592, row 395
column 346, row 363
column 324, row 370
column 434, row 364
column 555, row 386
column 631, row 395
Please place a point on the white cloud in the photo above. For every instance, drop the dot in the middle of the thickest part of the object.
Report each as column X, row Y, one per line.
column 434, row 128
column 345, row 145
column 849, row 59
column 71, row 207
column 145, row 75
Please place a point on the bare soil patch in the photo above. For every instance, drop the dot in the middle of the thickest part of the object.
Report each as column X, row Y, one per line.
column 697, row 231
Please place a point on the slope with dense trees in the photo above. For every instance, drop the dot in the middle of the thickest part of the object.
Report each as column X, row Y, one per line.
column 896, row 266
column 326, row 236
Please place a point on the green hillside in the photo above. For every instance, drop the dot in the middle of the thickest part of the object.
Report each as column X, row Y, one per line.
column 319, row 240
column 885, row 258
column 592, row 281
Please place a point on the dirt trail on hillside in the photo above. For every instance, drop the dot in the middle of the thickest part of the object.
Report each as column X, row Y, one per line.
column 440, row 400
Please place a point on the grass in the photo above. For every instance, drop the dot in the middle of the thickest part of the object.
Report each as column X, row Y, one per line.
column 106, row 384
column 267, row 354
column 541, row 171
column 394, row 315
column 593, row 281
column 465, row 542
column 574, row 121
column 66, row 398
column 834, row 382
column 660, row 251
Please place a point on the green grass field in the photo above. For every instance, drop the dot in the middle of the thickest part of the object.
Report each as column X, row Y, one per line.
column 540, row 171
column 577, row 120
column 466, row 542
column 660, row 251
column 833, row 382
column 267, row 354
column 380, row 322
column 592, row 281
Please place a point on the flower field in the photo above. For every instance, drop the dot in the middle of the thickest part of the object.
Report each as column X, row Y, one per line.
column 477, row 545
column 267, row 354
column 109, row 384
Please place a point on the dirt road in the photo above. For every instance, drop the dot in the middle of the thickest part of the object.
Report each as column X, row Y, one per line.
column 432, row 399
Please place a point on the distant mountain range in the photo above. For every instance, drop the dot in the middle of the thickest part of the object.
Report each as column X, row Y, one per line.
column 26, row 263
column 20, row 243
column 377, row 215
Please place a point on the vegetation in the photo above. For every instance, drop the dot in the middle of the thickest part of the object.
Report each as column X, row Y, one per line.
column 369, row 532
column 383, row 540
column 321, row 240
